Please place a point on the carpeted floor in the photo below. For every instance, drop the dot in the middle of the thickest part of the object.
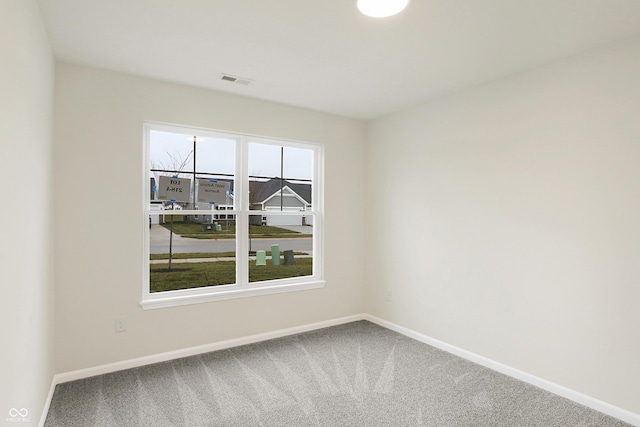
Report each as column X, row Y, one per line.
column 357, row 374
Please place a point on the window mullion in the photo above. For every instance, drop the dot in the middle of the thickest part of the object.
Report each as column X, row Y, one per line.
column 242, row 206
column 317, row 206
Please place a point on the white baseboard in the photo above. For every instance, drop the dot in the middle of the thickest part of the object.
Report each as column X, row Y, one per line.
column 582, row 399
column 191, row 351
column 588, row 401
column 47, row 403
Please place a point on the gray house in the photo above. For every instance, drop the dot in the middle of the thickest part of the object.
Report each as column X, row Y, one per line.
column 280, row 196
column 266, row 196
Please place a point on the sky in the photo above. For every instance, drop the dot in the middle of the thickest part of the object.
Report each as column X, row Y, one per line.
column 217, row 155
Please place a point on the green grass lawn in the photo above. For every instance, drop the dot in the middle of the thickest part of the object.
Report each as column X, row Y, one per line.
column 196, row 275
column 190, row 255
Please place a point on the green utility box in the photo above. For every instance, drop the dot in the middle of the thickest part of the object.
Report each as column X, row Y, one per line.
column 275, row 254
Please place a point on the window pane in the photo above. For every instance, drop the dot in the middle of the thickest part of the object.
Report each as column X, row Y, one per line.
column 215, row 155
column 170, row 155
column 266, row 161
column 215, row 165
column 171, row 151
column 297, row 163
column 280, row 181
column 196, row 175
column 199, row 252
column 193, row 209
column 280, row 246
column 274, row 168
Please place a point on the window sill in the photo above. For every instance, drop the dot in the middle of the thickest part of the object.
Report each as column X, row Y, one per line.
column 200, row 295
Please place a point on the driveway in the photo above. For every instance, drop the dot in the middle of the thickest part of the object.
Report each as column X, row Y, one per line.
column 158, row 233
column 304, row 229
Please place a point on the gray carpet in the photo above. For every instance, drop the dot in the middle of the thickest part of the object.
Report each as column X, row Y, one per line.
column 357, row 374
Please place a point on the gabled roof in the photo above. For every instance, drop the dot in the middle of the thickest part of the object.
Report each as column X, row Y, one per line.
column 266, row 189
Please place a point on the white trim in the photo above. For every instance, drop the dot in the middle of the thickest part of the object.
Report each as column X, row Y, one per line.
column 557, row 389
column 206, row 348
column 588, row 401
column 224, row 292
column 317, row 206
column 241, row 212
column 47, row 403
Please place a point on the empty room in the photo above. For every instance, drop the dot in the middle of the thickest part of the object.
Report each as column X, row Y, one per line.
column 297, row 213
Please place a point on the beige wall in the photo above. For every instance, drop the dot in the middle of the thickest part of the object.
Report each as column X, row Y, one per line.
column 26, row 126
column 513, row 231
column 520, row 241
column 98, row 210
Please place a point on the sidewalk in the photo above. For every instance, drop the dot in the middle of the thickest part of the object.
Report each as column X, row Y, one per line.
column 194, row 260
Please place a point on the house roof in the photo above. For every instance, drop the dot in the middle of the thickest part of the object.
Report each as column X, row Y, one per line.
column 266, row 189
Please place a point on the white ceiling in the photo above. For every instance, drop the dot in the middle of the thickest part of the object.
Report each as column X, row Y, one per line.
column 323, row 54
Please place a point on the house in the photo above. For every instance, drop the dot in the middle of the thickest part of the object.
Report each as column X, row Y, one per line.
column 281, row 195
column 265, row 196
column 480, row 178
column 157, row 206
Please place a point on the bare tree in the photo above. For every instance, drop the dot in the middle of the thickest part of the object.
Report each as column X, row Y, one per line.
column 174, row 167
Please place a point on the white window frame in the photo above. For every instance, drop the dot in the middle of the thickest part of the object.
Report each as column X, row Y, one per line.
column 242, row 288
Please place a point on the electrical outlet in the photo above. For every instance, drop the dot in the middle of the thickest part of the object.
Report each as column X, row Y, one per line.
column 121, row 324
column 388, row 295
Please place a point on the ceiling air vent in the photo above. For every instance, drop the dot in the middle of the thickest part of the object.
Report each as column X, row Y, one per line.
column 234, row 79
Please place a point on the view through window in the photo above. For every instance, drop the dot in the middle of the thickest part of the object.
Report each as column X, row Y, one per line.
column 229, row 214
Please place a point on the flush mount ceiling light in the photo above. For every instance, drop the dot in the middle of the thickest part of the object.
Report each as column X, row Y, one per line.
column 381, row 8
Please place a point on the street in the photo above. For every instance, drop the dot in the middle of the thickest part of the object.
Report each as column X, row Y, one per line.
column 160, row 243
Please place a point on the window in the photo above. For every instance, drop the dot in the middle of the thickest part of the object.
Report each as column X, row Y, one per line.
column 229, row 215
